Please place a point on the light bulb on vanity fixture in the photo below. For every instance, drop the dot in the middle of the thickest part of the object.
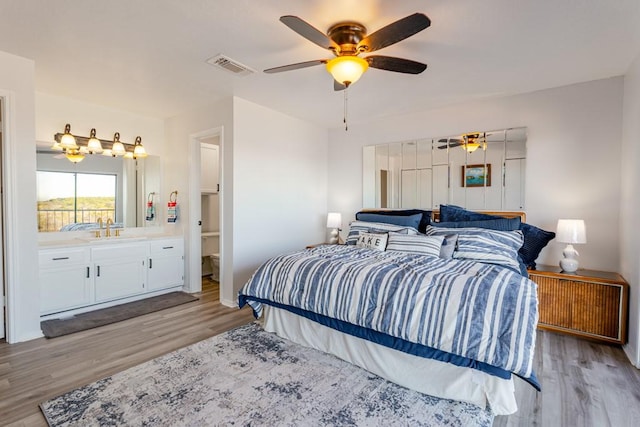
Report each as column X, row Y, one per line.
column 138, row 150
column 570, row 231
column 68, row 141
column 93, row 144
column 117, row 149
column 334, row 222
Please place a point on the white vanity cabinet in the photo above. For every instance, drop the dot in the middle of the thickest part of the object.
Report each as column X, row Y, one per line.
column 66, row 280
column 166, row 264
column 119, row 270
column 90, row 276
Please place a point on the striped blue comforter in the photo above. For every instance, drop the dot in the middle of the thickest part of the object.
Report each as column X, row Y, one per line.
column 476, row 312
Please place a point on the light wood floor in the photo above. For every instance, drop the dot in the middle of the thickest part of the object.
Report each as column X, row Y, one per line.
column 584, row 383
column 40, row 369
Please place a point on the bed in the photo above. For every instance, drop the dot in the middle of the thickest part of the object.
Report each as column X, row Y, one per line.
column 454, row 319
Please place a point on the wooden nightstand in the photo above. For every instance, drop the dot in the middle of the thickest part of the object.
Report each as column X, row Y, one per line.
column 591, row 304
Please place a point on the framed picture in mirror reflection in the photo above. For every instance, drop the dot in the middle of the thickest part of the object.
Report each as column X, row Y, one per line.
column 476, row 175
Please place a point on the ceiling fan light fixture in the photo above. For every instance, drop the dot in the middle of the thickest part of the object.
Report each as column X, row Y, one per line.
column 470, row 147
column 75, row 156
column 346, row 70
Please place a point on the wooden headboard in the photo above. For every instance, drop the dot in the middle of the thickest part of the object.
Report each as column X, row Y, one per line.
column 435, row 215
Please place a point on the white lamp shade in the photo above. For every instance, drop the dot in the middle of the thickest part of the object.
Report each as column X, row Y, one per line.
column 334, row 220
column 571, row 231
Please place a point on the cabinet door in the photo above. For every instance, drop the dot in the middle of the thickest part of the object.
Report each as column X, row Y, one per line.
column 64, row 288
column 209, row 168
column 165, row 272
column 65, row 279
column 166, row 264
column 119, row 278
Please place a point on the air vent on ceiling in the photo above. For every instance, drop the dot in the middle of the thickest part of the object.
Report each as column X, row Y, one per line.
column 230, row 65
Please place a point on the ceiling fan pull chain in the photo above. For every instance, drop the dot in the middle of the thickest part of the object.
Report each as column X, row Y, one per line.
column 346, row 125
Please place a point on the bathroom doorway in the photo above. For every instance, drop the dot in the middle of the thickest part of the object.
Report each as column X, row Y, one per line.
column 206, row 220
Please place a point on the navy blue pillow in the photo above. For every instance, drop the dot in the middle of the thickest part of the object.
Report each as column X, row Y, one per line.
column 501, row 224
column 535, row 239
column 405, row 221
column 452, row 213
column 422, row 227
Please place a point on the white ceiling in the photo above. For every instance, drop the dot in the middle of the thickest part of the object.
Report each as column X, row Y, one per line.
column 148, row 56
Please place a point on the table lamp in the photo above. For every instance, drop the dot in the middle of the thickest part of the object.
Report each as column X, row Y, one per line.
column 334, row 222
column 570, row 231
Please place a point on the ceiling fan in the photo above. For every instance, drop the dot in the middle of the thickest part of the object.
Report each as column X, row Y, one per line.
column 468, row 141
column 347, row 40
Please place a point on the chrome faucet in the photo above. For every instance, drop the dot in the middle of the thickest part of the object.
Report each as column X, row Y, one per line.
column 109, row 223
column 99, row 231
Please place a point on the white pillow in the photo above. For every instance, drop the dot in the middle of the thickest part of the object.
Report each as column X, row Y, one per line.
column 418, row 244
column 372, row 241
column 357, row 227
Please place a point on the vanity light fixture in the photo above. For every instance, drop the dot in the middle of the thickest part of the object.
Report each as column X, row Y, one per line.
column 138, row 150
column 117, row 149
column 94, row 145
column 68, row 141
column 75, row 147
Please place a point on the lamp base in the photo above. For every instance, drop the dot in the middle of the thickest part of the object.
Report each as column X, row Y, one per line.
column 569, row 263
column 333, row 239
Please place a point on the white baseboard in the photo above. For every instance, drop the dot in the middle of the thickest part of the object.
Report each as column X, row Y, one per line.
column 229, row 303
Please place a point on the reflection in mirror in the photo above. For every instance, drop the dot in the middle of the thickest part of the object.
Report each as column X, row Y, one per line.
column 73, row 197
column 480, row 170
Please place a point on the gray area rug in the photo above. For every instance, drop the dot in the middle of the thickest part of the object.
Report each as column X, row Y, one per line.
column 250, row 377
column 58, row 327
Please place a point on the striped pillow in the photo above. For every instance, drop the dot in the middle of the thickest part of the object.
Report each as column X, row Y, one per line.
column 418, row 244
column 489, row 246
column 357, row 227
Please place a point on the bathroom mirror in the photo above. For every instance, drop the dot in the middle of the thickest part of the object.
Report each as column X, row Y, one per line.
column 475, row 170
column 72, row 196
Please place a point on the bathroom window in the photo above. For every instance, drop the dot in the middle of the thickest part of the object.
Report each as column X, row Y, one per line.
column 68, row 199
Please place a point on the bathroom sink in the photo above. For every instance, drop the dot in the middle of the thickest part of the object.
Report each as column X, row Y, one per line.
column 112, row 239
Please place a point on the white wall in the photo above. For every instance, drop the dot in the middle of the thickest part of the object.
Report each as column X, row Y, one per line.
column 630, row 204
column 19, row 166
column 176, row 177
column 273, row 184
column 573, row 155
column 280, row 186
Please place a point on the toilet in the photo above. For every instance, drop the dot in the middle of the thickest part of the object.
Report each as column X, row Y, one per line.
column 215, row 267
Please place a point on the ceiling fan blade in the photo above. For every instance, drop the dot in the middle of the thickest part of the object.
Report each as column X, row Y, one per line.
column 309, row 32
column 451, row 145
column 394, row 32
column 398, row 65
column 338, row 86
column 296, row 66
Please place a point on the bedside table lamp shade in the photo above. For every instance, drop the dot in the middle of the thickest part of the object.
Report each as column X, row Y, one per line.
column 334, row 222
column 570, row 231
